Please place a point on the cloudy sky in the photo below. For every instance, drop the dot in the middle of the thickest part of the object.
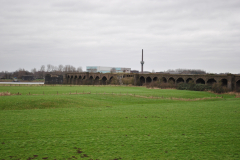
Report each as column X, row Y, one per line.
column 187, row 34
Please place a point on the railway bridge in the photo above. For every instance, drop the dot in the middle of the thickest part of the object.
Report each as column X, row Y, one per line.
column 231, row 81
column 89, row 78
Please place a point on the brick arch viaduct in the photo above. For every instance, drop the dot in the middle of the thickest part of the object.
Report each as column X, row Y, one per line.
column 88, row 78
column 230, row 81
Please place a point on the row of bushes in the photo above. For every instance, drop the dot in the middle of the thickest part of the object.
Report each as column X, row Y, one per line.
column 216, row 87
column 193, row 87
column 128, row 81
column 156, row 84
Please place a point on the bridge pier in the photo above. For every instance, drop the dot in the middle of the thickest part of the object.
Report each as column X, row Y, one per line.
column 67, row 80
column 229, row 85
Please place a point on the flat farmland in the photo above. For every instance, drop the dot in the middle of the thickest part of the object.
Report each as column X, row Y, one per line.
column 115, row 122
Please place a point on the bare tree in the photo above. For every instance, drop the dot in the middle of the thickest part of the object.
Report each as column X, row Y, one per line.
column 49, row 67
column 186, row 71
column 54, row 68
column 60, row 68
column 69, row 68
column 73, row 69
column 42, row 69
column 34, row 70
column 21, row 73
column 79, row 69
column 21, row 69
column 66, row 68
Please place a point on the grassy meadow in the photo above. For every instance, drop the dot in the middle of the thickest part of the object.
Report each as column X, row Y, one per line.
column 117, row 122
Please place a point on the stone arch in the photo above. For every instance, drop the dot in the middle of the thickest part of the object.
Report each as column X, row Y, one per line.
column 200, row 81
column 171, row 80
column 110, row 79
column 180, row 80
column 142, row 80
column 104, row 80
column 211, row 81
column 68, row 79
column 84, row 77
column 224, row 82
column 189, row 80
column 97, row 78
column 238, row 85
column 79, row 80
column 155, row 79
column 148, row 80
column 71, row 79
column 75, row 79
column 164, row 80
column 90, row 80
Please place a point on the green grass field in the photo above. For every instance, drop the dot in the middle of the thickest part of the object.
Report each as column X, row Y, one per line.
column 115, row 122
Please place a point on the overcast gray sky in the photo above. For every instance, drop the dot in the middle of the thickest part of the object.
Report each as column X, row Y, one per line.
column 187, row 34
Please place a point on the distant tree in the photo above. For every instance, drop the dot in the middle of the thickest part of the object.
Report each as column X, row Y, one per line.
column 21, row 69
column 2, row 74
column 7, row 75
column 34, row 70
column 54, row 69
column 49, row 67
column 65, row 68
column 60, row 68
column 21, row 72
column 42, row 69
column 186, row 71
column 73, row 69
column 79, row 69
column 69, row 68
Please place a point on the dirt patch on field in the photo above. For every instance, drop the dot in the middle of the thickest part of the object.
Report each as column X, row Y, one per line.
column 237, row 94
column 5, row 94
column 160, row 88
